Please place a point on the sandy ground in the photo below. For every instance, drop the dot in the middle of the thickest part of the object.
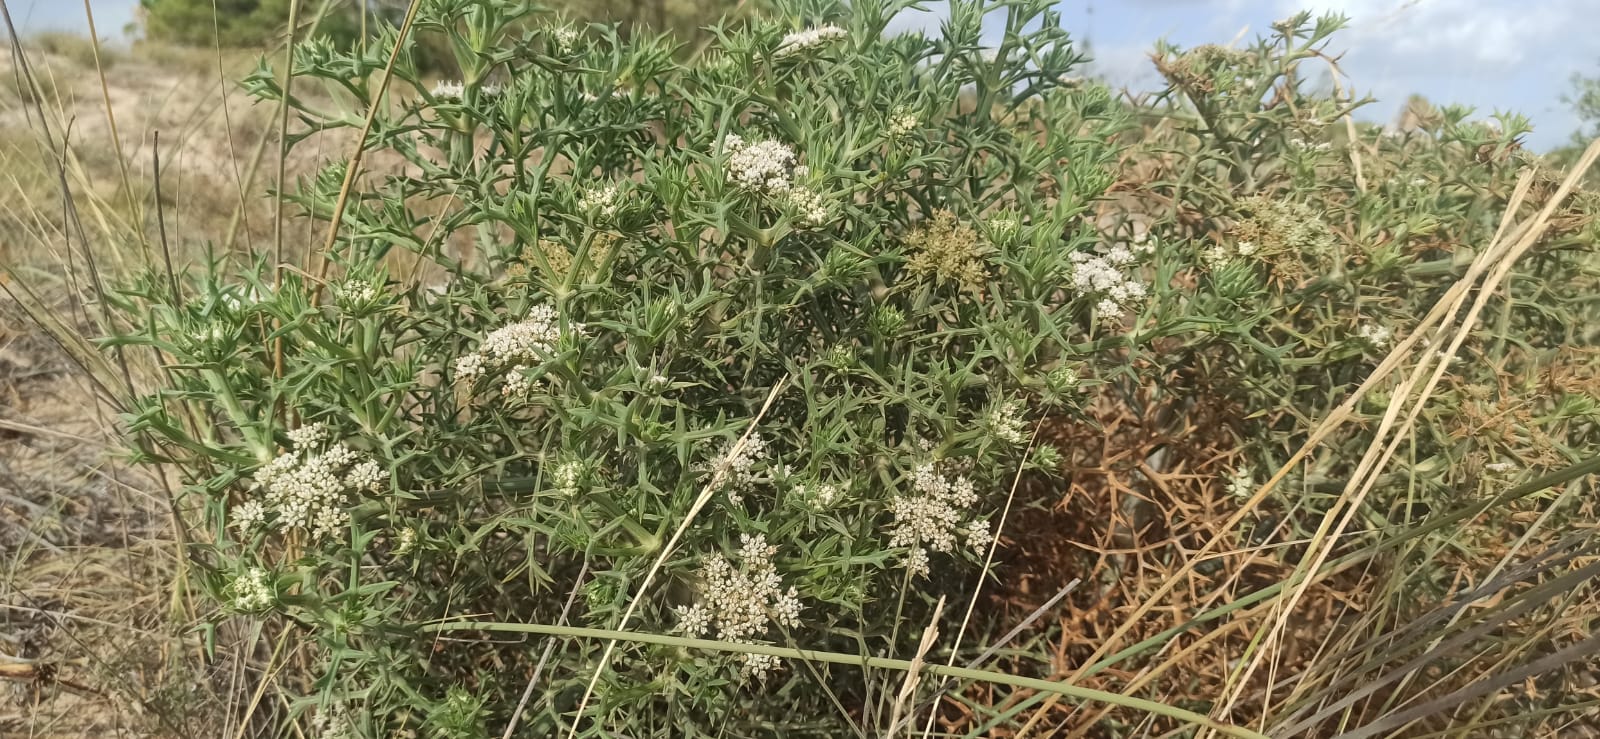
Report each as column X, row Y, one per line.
column 92, row 641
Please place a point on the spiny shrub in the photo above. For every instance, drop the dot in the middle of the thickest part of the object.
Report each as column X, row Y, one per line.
column 1308, row 247
column 822, row 274
column 1314, row 245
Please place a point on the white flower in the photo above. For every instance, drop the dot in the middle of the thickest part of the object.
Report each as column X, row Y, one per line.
column 1002, row 227
column 567, row 476
column 1501, row 467
column 762, row 166
column 250, row 591
column 758, row 665
column 405, row 540
column 1007, row 424
column 737, row 470
column 310, row 491
column 469, row 367
column 1215, row 256
column 694, row 620
column 1306, row 146
column 916, row 562
column 1242, row 483
column 565, row 37
column 357, row 291
column 517, row 346
column 515, row 383
column 248, row 516
column 1105, row 278
column 902, row 122
column 308, row 435
column 448, row 90
column 367, row 475
column 601, row 200
column 978, row 535
column 933, row 516
column 740, row 604
column 1374, row 334
column 818, row 496
column 658, row 382
column 529, row 339
column 807, row 39
column 808, row 205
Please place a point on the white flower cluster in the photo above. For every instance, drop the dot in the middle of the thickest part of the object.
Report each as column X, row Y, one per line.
column 356, row 291
column 251, row 591
column 249, row 516
column 565, row 37
column 308, row 490
column 1219, row 255
column 1108, row 277
column 405, row 540
column 1501, row 467
column 1307, row 146
column 811, row 207
column 819, row 496
column 799, row 41
column 603, row 201
column 737, row 471
column 739, row 604
column 515, row 348
column 449, row 90
column 933, row 515
column 516, row 383
column 1242, row 484
column 1007, row 424
column 761, row 166
column 1002, row 227
column 567, row 477
column 902, row 122
column 1374, row 334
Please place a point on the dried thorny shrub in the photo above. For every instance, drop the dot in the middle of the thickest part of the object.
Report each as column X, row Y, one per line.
column 1301, row 248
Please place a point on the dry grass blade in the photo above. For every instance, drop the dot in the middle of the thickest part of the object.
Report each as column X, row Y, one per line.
column 359, row 146
column 913, row 676
column 1501, row 617
column 1586, row 649
column 1502, row 255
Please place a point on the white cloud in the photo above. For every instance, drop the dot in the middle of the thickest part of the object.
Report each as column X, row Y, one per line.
column 1482, row 35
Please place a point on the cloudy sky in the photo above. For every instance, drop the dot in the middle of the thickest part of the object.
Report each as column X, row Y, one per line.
column 1507, row 54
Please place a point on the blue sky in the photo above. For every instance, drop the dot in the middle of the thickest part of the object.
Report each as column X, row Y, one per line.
column 1507, row 54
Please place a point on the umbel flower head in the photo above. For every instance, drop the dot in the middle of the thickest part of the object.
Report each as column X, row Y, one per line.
column 308, row 488
column 251, row 591
column 515, row 348
column 763, row 167
column 933, row 515
column 737, row 469
column 739, row 603
column 1108, row 279
column 810, row 38
column 948, row 250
